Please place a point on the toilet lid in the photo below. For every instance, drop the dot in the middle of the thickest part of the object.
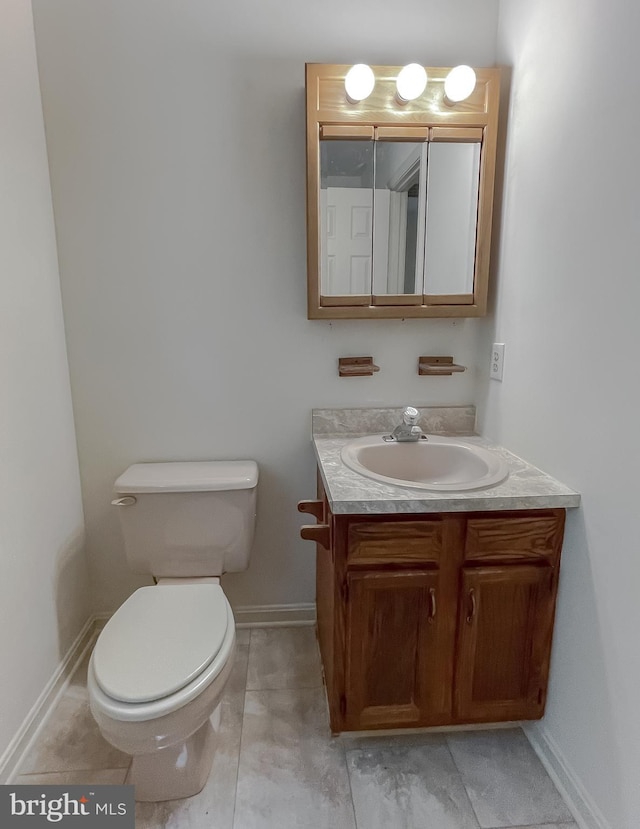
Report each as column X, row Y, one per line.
column 161, row 639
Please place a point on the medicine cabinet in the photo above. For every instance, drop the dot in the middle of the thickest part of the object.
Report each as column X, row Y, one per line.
column 399, row 197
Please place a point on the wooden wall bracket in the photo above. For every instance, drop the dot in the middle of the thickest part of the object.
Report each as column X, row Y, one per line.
column 438, row 365
column 356, row 366
column 315, row 508
column 320, row 533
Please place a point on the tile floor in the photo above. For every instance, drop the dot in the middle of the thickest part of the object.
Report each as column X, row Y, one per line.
column 277, row 767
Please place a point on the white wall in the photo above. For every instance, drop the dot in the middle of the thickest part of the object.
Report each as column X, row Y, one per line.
column 176, row 144
column 568, row 298
column 44, row 585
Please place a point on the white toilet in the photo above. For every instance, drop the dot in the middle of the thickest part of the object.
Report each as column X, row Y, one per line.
column 159, row 667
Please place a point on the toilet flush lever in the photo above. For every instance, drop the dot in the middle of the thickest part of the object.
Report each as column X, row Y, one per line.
column 127, row 501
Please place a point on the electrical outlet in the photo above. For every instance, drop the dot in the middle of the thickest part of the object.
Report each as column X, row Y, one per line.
column 497, row 361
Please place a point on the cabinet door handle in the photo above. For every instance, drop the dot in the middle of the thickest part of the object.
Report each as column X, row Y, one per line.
column 472, row 608
column 432, row 605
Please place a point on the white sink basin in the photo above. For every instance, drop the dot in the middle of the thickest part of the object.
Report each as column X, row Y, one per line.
column 438, row 463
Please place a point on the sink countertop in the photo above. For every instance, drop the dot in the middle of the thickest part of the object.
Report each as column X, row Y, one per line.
column 348, row 492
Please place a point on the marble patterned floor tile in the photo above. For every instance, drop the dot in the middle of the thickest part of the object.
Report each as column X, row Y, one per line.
column 213, row 807
column 408, row 784
column 71, row 741
column 86, row 777
column 292, row 773
column 505, row 780
column 282, row 658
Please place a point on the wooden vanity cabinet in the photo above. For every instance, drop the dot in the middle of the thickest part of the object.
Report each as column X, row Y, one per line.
column 435, row 619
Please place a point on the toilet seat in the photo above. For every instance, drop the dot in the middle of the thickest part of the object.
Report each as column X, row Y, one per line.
column 193, row 694
column 160, row 641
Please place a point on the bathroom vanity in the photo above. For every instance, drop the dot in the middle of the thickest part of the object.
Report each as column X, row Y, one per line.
column 434, row 608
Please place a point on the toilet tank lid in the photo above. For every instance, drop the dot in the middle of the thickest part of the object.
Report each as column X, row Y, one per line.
column 188, row 476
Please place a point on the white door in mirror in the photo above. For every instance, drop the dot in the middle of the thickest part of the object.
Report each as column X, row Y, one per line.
column 347, row 229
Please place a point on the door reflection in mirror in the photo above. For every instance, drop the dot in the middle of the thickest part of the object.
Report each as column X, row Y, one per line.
column 346, row 216
column 399, row 213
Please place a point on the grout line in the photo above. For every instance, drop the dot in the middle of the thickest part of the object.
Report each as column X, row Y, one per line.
column 244, row 701
column 538, row 825
column 72, row 771
column 353, row 803
column 462, row 783
column 290, row 688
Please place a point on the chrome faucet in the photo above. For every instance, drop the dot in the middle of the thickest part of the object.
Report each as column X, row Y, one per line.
column 408, row 430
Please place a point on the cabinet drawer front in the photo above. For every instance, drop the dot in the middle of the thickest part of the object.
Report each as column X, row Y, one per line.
column 398, row 543
column 527, row 538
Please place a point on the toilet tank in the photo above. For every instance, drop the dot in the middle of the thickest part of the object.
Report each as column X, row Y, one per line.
column 188, row 519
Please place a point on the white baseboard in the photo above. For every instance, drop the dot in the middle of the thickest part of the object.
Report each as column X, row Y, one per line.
column 259, row 615
column 55, row 687
column 275, row 615
column 100, row 620
column 584, row 810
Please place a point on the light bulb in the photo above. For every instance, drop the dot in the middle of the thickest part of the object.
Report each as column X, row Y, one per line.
column 411, row 82
column 359, row 82
column 459, row 83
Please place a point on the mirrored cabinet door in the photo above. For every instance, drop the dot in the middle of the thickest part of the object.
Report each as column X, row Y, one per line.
column 452, row 220
column 399, row 222
column 398, row 219
column 346, row 220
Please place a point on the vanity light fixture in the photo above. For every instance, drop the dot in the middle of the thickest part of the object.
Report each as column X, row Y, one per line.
column 359, row 83
column 411, row 82
column 459, row 84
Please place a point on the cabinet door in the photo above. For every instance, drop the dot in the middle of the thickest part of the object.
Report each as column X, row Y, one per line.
column 504, row 638
column 398, row 666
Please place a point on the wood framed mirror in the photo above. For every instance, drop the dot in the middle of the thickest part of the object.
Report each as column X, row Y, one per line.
column 399, row 196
